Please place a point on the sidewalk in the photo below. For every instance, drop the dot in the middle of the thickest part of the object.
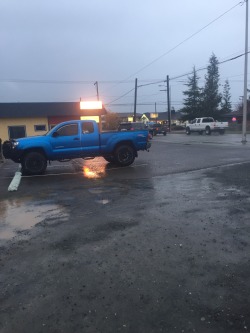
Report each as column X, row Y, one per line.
column 226, row 139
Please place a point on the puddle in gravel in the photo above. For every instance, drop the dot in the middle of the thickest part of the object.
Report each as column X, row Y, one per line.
column 19, row 215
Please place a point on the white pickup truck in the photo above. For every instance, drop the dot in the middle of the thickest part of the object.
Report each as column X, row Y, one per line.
column 207, row 125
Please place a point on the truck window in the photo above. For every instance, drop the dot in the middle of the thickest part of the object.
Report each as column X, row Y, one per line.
column 68, row 130
column 87, row 128
column 198, row 121
column 207, row 120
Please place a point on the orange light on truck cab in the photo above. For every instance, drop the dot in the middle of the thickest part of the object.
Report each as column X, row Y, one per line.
column 90, row 105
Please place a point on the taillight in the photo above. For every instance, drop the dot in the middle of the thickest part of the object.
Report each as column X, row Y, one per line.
column 149, row 137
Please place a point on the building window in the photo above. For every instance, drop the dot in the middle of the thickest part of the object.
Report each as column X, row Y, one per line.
column 16, row 132
column 38, row 128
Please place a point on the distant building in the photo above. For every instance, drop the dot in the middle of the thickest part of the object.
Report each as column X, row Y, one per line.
column 26, row 119
column 163, row 117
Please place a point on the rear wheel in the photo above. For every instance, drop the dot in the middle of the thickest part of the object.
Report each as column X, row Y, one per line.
column 124, row 155
column 110, row 159
column 34, row 163
column 222, row 132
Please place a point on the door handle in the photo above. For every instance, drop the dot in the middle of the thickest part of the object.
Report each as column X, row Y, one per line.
column 76, row 139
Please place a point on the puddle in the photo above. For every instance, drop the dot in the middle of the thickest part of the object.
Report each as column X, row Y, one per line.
column 17, row 216
column 97, row 190
column 103, row 201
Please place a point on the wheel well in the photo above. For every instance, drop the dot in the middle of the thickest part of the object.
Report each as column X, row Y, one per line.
column 37, row 149
column 121, row 143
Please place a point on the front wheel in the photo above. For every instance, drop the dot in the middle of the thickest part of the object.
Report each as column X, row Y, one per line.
column 124, row 155
column 34, row 163
column 188, row 131
column 208, row 131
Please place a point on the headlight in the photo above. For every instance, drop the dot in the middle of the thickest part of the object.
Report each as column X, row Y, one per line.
column 16, row 143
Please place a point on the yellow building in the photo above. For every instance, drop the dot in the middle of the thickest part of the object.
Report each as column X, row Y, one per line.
column 19, row 120
column 20, row 127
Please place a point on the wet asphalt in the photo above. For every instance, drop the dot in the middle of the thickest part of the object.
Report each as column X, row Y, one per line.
column 161, row 246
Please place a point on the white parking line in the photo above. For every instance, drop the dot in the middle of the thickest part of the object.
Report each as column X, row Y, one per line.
column 16, row 180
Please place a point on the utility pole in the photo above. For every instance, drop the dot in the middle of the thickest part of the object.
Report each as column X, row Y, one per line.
column 168, row 101
column 244, row 122
column 135, row 100
column 97, row 92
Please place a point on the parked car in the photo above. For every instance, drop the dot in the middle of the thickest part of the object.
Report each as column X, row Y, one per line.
column 131, row 126
column 134, row 126
column 157, row 128
column 75, row 139
column 207, row 125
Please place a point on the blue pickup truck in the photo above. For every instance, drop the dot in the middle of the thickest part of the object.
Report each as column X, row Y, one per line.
column 75, row 139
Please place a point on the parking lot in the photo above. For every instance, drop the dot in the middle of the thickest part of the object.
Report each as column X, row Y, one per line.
column 160, row 246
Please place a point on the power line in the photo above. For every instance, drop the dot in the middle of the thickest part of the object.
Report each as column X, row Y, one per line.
column 172, row 49
column 203, row 68
column 120, row 97
column 58, row 81
column 185, row 40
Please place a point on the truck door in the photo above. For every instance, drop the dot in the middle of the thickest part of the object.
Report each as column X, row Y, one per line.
column 65, row 142
column 89, row 139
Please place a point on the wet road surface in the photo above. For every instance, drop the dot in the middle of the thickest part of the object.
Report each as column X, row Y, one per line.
column 162, row 246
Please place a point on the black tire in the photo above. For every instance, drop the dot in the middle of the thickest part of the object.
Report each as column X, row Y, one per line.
column 222, row 132
column 208, row 130
column 164, row 133
column 124, row 155
column 110, row 159
column 188, row 132
column 34, row 163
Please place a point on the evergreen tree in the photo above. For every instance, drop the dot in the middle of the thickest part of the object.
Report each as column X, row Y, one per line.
column 211, row 96
column 226, row 105
column 192, row 107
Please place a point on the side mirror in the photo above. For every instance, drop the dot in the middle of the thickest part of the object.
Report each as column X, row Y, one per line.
column 55, row 135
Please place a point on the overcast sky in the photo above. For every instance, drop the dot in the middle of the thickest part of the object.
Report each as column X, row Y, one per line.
column 55, row 51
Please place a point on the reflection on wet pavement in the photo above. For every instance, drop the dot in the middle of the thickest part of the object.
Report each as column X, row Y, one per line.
column 91, row 169
column 103, row 201
column 22, row 214
column 94, row 171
